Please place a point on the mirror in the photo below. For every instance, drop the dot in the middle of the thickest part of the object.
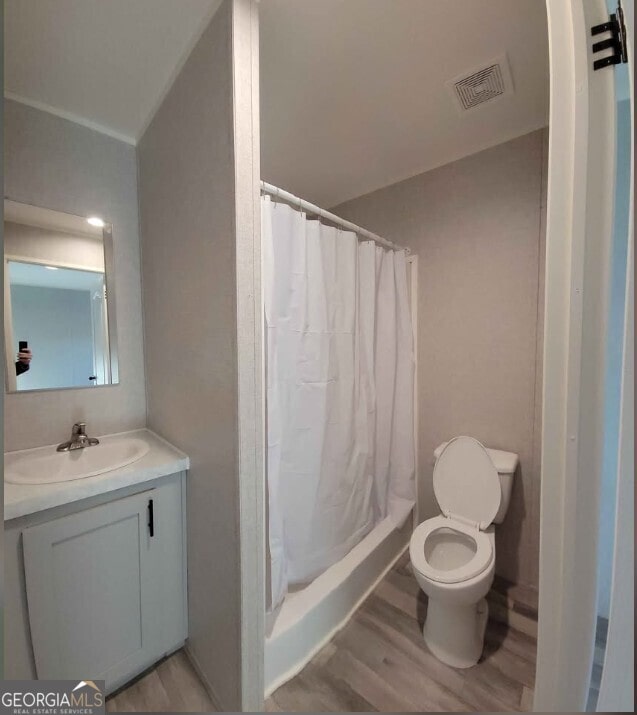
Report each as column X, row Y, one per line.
column 59, row 312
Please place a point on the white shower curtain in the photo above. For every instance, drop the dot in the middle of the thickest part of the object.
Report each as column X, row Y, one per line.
column 340, row 380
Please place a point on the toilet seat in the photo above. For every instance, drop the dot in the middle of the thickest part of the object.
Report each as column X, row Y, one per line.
column 467, row 488
column 480, row 562
column 466, row 482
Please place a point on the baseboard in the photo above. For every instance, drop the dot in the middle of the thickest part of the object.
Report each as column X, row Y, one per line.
column 202, row 676
column 515, row 614
column 523, row 596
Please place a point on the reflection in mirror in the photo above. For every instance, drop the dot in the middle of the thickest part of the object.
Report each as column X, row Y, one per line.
column 59, row 324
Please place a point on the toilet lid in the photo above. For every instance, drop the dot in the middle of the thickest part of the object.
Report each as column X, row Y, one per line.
column 466, row 482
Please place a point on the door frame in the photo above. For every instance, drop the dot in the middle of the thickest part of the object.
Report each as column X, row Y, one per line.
column 578, row 242
column 412, row 269
column 250, row 351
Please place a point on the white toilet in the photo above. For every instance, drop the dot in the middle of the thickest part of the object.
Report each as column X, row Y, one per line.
column 453, row 555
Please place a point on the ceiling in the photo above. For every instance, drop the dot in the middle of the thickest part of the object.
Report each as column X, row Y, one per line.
column 353, row 93
column 104, row 63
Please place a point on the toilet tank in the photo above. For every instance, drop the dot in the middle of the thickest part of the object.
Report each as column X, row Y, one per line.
column 506, row 463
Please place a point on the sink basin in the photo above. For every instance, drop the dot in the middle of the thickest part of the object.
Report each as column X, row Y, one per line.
column 46, row 466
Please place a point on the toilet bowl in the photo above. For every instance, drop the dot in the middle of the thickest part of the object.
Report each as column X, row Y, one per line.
column 453, row 555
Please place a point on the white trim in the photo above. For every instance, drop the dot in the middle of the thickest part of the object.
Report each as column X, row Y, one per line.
column 412, row 262
column 579, row 217
column 70, row 117
column 250, row 360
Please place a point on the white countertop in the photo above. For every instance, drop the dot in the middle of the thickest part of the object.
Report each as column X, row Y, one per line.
column 160, row 460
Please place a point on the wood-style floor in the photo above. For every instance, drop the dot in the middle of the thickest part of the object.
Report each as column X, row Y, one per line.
column 378, row 662
column 172, row 686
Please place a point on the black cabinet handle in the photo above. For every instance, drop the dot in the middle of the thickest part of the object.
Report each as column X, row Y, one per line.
column 151, row 519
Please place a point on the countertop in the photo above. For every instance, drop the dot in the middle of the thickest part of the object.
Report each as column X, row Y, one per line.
column 161, row 459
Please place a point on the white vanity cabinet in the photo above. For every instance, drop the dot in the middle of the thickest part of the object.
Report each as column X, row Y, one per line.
column 105, row 587
column 104, row 591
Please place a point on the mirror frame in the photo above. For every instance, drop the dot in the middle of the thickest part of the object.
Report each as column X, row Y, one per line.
column 111, row 312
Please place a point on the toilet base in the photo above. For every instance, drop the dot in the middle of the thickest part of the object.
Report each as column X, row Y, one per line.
column 455, row 634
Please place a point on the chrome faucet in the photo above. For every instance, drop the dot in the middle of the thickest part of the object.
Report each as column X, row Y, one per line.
column 79, row 439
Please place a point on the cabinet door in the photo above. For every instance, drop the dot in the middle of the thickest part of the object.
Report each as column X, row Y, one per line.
column 90, row 580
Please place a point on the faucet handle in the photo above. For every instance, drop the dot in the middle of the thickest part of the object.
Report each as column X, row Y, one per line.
column 79, row 429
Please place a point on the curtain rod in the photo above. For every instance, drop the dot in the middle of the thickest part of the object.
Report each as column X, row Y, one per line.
column 312, row 208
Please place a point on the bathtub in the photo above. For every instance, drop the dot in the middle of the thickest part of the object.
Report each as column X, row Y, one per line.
column 310, row 617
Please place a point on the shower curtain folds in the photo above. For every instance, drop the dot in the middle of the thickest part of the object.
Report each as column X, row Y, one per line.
column 339, row 376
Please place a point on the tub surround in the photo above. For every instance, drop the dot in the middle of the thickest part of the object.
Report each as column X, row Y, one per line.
column 161, row 459
column 310, row 617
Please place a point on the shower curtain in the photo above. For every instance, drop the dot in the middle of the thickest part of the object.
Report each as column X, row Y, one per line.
column 340, row 381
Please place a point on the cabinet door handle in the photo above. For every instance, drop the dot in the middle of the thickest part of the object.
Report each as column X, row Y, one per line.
column 151, row 519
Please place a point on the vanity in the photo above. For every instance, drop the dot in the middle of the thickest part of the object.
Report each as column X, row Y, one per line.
column 95, row 561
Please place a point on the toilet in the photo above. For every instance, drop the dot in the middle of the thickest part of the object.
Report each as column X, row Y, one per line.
column 453, row 554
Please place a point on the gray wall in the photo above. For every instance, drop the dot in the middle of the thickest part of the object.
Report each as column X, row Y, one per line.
column 187, row 209
column 56, row 164
column 477, row 227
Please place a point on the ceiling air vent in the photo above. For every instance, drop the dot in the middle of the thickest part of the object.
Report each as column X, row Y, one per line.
column 482, row 85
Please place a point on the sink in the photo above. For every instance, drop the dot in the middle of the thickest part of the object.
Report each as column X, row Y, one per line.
column 46, row 466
